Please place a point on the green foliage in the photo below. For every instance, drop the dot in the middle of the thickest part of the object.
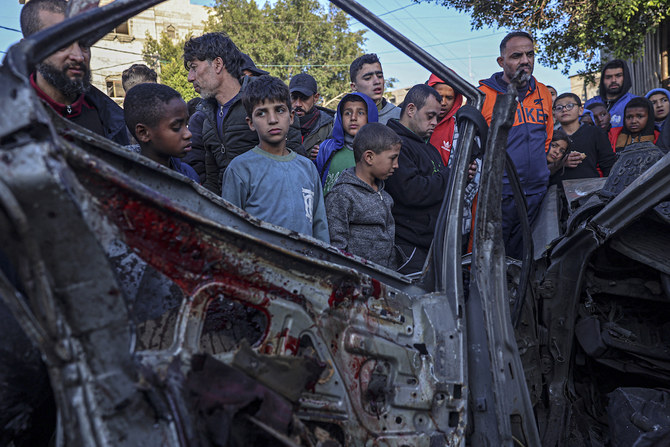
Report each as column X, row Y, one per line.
column 570, row 31
column 168, row 56
column 291, row 37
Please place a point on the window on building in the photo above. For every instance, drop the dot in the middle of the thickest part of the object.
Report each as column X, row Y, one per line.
column 171, row 32
column 123, row 28
column 115, row 88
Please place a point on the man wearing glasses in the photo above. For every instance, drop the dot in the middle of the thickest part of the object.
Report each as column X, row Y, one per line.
column 530, row 136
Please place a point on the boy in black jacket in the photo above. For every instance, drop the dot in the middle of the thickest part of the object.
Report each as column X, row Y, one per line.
column 590, row 147
column 419, row 183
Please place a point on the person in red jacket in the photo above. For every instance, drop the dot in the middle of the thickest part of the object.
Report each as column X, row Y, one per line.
column 528, row 139
column 445, row 134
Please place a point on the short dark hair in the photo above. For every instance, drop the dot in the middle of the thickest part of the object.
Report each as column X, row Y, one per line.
column 137, row 74
column 560, row 135
column 593, row 105
column 418, row 95
column 512, row 35
column 356, row 65
column 209, row 46
column 264, row 88
column 145, row 103
column 350, row 97
column 640, row 101
column 569, row 95
column 374, row 137
column 30, row 21
column 615, row 63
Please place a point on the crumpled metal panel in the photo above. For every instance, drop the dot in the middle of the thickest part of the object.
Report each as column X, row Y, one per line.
column 379, row 383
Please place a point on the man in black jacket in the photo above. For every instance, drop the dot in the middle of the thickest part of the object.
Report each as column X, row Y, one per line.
column 214, row 65
column 63, row 80
column 419, row 183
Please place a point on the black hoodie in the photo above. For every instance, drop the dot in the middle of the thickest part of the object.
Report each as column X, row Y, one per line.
column 615, row 106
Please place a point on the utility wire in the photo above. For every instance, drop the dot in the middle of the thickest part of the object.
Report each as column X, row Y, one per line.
column 10, row 29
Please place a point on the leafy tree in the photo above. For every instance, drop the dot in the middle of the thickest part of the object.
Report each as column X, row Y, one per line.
column 572, row 30
column 168, row 56
column 291, row 37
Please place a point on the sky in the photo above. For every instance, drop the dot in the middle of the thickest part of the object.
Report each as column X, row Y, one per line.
column 471, row 54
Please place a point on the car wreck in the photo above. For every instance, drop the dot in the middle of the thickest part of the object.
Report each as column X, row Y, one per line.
column 166, row 316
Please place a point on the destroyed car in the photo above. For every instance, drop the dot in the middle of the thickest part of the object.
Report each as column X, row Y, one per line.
column 166, row 316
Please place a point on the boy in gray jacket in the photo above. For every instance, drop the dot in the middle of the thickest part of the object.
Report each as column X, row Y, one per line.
column 358, row 208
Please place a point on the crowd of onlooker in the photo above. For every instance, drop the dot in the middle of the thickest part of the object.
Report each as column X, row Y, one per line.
column 368, row 177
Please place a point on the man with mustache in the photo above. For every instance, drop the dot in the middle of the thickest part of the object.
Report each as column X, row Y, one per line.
column 530, row 136
column 215, row 68
column 316, row 123
column 420, row 180
column 63, row 80
column 615, row 81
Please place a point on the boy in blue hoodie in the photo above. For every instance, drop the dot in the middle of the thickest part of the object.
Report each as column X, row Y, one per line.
column 337, row 154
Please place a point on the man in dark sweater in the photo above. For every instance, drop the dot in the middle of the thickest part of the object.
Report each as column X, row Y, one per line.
column 418, row 185
column 316, row 123
column 63, row 80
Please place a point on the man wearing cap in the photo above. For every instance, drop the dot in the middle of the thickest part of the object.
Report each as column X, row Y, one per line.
column 316, row 123
column 220, row 131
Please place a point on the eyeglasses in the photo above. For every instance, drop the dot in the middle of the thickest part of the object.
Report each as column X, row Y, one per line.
column 567, row 107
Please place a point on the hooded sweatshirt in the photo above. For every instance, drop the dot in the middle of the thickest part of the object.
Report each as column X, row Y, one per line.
column 360, row 219
column 622, row 136
column 615, row 106
column 340, row 141
column 443, row 135
column 530, row 136
column 388, row 111
column 658, row 124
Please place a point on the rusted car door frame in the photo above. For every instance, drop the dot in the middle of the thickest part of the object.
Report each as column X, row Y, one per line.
column 445, row 264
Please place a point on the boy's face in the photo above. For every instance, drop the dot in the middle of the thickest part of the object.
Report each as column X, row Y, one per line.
column 636, row 119
column 603, row 117
column 553, row 93
column 556, row 150
column 448, row 97
column 171, row 135
column 383, row 164
column 370, row 81
column 586, row 119
column 354, row 116
column 661, row 106
column 271, row 120
column 566, row 110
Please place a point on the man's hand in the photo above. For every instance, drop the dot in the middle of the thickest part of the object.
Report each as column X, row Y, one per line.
column 574, row 159
column 314, row 152
column 472, row 170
